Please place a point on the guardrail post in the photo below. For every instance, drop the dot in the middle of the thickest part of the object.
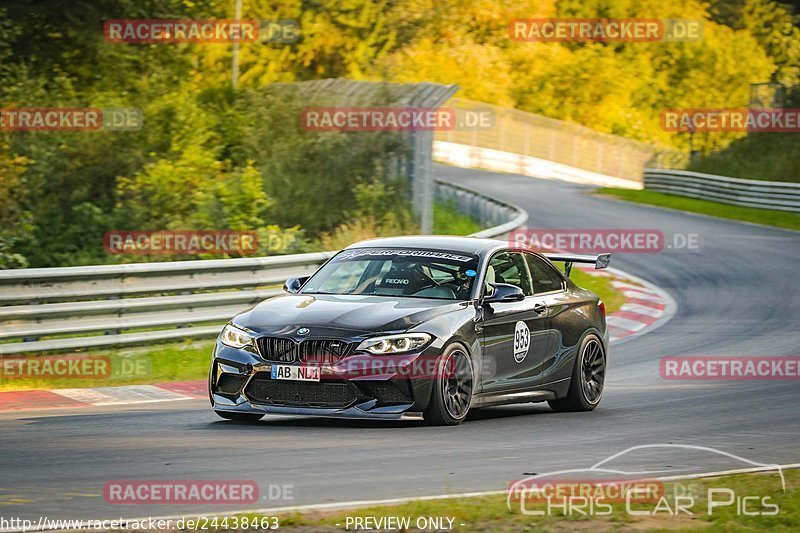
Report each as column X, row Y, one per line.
column 422, row 183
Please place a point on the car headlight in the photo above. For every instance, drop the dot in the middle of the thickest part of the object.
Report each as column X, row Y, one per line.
column 235, row 337
column 390, row 344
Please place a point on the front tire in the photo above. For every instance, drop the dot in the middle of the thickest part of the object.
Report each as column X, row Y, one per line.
column 588, row 378
column 452, row 388
column 239, row 417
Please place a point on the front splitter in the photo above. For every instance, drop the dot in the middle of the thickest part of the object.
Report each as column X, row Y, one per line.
column 364, row 410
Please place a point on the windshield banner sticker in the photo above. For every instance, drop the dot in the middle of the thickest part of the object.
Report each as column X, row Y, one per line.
column 355, row 254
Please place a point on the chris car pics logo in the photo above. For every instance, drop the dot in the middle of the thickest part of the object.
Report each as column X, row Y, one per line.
column 645, row 491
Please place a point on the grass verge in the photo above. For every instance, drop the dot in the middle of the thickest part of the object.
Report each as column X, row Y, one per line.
column 114, row 367
column 758, row 156
column 448, row 220
column 763, row 491
column 601, row 286
column 767, row 217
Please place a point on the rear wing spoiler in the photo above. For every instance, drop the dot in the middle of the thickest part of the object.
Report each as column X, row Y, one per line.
column 599, row 260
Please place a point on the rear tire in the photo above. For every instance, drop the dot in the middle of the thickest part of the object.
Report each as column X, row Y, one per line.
column 452, row 388
column 588, row 378
column 239, row 417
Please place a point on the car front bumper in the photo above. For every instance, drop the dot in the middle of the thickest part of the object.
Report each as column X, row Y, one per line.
column 394, row 387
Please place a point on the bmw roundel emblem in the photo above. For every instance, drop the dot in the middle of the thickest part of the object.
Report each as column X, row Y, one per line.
column 303, row 331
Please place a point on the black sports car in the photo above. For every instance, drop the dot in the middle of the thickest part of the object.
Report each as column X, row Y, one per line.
column 430, row 325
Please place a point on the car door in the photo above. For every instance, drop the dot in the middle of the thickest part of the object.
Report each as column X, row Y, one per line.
column 550, row 288
column 515, row 337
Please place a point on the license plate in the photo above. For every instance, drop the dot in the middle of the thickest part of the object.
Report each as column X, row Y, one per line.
column 295, row 373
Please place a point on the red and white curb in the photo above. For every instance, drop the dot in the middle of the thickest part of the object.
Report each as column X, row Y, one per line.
column 646, row 307
column 103, row 396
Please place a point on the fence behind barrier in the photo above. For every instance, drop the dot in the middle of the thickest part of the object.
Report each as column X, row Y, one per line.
column 549, row 140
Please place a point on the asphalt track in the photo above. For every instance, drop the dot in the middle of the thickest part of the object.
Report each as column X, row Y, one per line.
column 737, row 295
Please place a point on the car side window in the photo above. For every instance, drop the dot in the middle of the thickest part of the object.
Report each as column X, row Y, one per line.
column 545, row 278
column 511, row 268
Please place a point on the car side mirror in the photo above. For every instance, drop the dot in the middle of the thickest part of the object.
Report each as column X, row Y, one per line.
column 504, row 292
column 292, row 285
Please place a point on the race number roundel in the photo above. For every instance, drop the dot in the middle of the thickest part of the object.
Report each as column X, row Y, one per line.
column 522, row 341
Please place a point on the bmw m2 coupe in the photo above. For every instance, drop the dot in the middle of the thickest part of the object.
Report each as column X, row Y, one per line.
column 426, row 325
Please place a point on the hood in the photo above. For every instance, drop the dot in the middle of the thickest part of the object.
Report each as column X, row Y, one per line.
column 282, row 315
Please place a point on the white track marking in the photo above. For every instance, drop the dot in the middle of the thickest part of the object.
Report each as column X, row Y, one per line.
column 131, row 394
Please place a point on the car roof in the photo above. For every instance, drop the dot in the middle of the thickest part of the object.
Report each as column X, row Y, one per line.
column 470, row 245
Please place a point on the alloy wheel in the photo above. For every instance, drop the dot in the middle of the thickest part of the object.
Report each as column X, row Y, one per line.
column 593, row 371
column 457, row 383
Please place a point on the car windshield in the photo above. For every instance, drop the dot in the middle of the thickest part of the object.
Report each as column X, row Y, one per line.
column 402, row 272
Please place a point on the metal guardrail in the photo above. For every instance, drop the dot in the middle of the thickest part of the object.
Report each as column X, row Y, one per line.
column 775, row 195
column 45, row 309
column 60, row 308
column 500, row 216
